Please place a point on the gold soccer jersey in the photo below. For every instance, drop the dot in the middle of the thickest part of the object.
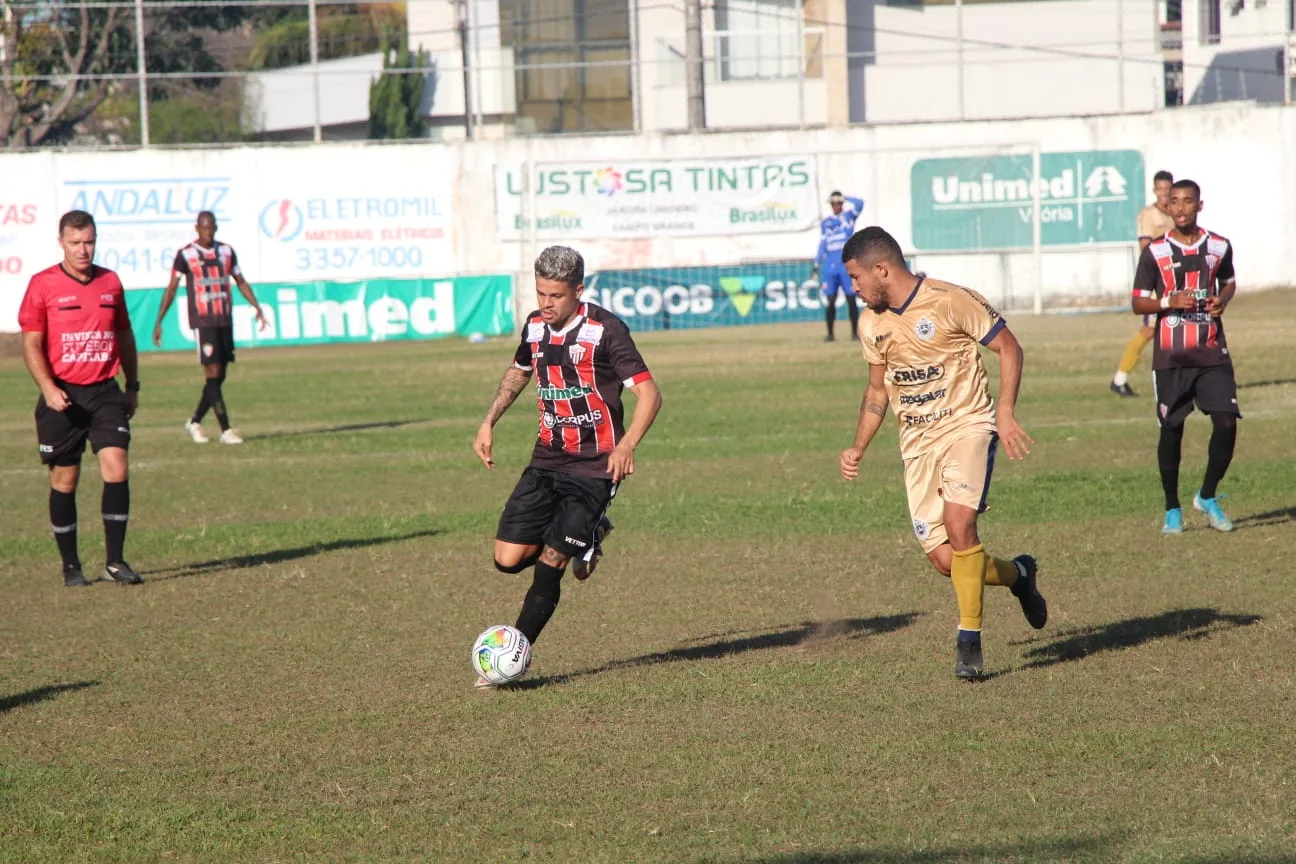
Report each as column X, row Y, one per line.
column 1153, row 222
column 935, row 380
column 937, row 388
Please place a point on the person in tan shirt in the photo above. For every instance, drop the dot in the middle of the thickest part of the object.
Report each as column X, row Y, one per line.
column 922, row 344
column 1153, row 223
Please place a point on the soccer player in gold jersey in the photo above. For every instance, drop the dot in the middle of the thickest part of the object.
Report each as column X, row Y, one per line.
column 1154, row 221
column 921, row 344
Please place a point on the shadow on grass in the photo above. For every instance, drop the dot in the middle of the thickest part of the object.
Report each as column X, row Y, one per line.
column 1180, row 623
column 807, row 631
column 1083, row 849
column 1272, row 382
column 40, row 694
column 278, row 556
column 1273, row 517
column 329, row 430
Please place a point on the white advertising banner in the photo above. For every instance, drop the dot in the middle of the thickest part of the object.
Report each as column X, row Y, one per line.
column 353, row 213
column 338, row 213
column 699, row 197
column 28, row 228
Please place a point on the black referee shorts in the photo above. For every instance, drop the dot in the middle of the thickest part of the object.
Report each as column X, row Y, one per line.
column 1212, row 388
column 556, row 510
column 98, row 413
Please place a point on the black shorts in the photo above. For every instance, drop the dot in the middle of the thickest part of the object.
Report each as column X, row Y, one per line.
column 1212, row 388
column 557, row 510
column 215, row 345
column 98, row 412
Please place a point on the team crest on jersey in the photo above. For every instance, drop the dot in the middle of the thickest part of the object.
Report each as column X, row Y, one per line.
column 547, row 419
column 925, row 328
column 921, row 529
column 1172, row 320
column 577, row 352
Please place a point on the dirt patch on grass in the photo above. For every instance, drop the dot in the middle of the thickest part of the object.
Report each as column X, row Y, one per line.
column 10, row 345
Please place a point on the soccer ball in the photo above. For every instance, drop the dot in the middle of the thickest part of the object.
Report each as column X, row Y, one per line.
column 501, row 654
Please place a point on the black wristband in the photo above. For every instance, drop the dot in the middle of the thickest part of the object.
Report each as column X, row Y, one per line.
column 132, row 386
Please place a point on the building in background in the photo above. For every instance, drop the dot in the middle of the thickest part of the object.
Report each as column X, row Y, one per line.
column 549, row 67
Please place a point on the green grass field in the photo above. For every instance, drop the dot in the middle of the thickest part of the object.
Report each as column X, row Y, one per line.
column 761, row 670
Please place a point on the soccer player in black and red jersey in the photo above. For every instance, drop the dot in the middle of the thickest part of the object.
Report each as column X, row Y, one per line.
column 76, row 337
column 582, row 357
column 208, row 266
column 1185, row 278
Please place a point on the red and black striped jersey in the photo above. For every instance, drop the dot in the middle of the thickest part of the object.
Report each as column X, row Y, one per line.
column 208, row 274
column 1205, row 267
column 580, row 372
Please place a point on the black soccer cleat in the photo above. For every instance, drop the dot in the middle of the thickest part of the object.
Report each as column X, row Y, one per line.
column 1122, row 389
column 73, row 577
column 121, row 573
column 968, row 663
column 585, row 566
column 830, row 338
column 1026, row 590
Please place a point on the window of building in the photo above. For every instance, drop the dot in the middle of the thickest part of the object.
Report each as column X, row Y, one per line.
column 572, row 64
column 1210, row 22
column 757, row 39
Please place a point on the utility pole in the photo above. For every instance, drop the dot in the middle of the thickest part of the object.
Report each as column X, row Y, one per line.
column 694, row 76
column 317, row 132
column 141, row 66
column 465, row 50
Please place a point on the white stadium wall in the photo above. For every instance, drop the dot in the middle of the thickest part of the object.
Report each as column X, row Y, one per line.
column 345, row 212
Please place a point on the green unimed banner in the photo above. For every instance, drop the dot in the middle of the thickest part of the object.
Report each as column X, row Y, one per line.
column 316, row 313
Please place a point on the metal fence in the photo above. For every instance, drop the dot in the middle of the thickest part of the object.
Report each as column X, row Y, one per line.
column 163, row 72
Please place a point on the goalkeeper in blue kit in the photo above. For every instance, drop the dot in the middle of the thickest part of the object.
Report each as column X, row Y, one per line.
column 835, row 230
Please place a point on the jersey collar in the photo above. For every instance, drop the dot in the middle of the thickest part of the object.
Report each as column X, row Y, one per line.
column 909, row 299
column 577, row 319
column 1194, row 244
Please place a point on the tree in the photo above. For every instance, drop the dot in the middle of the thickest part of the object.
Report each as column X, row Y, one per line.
column 397, row 95
column 48, row 57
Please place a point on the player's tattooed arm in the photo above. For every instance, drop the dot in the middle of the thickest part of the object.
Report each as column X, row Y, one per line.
column 872, row 409
column 510, row 386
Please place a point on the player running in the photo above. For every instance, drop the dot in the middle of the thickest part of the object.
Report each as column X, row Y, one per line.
column 1153, row 222
column 835, row 230
column 1186, row 280
column 208, row 266
column 921, row 346
column 582, row 357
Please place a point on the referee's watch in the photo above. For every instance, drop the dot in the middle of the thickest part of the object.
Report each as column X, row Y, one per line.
column 132, row 386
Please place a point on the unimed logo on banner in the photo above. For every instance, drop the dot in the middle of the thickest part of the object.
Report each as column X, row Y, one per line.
column 988, row 202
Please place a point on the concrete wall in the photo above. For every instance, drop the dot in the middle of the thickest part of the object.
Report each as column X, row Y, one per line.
column 1028, row 59
column 1231, row 150
column 328, row 211
column 1246, row 62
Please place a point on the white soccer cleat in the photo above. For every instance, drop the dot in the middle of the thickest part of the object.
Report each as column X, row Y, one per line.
column 229, row 436
column 195, row 432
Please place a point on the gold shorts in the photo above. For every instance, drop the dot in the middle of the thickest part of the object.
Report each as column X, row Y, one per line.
column 958, row 473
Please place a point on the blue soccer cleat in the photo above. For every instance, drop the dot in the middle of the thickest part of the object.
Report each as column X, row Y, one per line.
column 1173, row 522
column 1211, row 507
